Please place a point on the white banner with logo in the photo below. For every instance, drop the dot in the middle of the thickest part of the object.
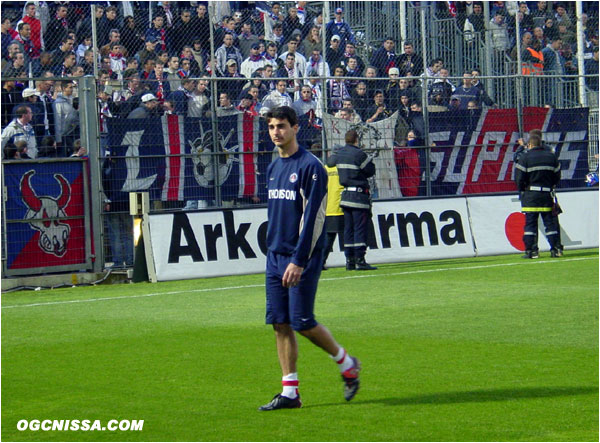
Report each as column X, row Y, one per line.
column 228, row 242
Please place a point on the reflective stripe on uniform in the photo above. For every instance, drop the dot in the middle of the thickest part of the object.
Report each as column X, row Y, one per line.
column 347, row 204
column 365, row 163
column 354, row 245
column 543, row 168
column 528, row 233
column 346, row 166
column 536, row 209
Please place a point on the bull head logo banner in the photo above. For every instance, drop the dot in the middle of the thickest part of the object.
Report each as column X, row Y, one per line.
column 44, row 213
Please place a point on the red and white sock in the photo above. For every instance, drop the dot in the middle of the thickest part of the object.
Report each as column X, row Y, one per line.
column 343, row 360
column 290, row 385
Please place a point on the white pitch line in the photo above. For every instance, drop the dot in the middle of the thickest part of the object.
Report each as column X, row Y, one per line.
column 227, row 288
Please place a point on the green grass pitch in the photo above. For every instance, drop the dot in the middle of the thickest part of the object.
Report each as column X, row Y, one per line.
column 484, row 349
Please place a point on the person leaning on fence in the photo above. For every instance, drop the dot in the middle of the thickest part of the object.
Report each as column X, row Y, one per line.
column 354, row 169
column 537, row 173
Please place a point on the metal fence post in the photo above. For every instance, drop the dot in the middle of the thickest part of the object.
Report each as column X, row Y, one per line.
column 88, row 112
column 583, row 99
column 215, row 104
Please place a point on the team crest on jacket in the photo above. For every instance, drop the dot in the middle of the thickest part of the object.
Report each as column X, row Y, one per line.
column 293, row 177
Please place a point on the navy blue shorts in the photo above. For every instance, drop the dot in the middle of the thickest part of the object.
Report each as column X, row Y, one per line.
column 293, row 306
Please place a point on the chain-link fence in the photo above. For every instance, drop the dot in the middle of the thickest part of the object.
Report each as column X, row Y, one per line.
column 180, row 89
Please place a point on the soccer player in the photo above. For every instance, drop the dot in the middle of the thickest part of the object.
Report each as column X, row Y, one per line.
column 295, row 239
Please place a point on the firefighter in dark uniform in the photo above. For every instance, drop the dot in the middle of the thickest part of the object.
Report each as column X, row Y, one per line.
column 536, row 175
column 354, row 169
column 520, row 151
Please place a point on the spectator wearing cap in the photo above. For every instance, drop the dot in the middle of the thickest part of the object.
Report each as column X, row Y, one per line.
column 299, row 59
column 148, row 107
column 229, row 83
column 385, row 57
column 182, row 96
column 246, row 39
column 392, row 89
column 227, row 52
column 335, row 52
column 338, row 26
column 253, row 62
column 31, row 98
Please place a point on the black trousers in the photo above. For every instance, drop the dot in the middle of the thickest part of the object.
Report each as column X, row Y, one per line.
column 531, row 229
column 356, row 223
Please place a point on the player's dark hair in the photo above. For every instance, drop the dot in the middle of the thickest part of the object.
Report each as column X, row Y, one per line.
column 283, row 113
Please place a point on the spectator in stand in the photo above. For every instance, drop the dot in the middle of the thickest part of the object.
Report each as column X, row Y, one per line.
column 225, row 107
column 258, row 27
column 570, row 62
column 550, row 30
column 64, row 116
column 371, row 81
column 525, row 42
column 159, row 84
column 108, row 22
column 182, row 31
column 149, row 51
column 172, row 73
column 499, row 33
column 185, row 65
column 118, row 62
column 17, row 69
column 248, row 106
column 348, row 112
column 199, row 103
column 11, row 97
column 567, row 36
column 85, row 45
column 277, row 36
column 48, row 147
column 441, row 90
column 409, row 61
column 181, row 97
column 246, row 40
column 538, row 33
column 290, row 71
column 591, row 72
column 35, row 26
column 85, row 28
column 25, row 43
column 352, row 70
column 407, row 165
column 385, row 58
column 66, row 47
column 532, row 59
column 335, row 53
column 467, row 91
column 201, row 26
column 194, row 68
column 46, row 124
column 148, row 108
column 227, row 52
column 432, row 72
column 337, row 90
column 475, row 24
column 485, row 98
column 57, row 29
column 271, row 56
column 541, row 11
column 305, row 103
column 392, row 89
column 526, row 23
column 20, row 129
column 415, row 119
column 291, row 23
column 147, row 70
column 64, row 69
column 562, row 17
column 30, row 98
column 253, row 62
column 8, row 35
column 312, row 41
column 278, row 97
column 114, row 36
column 360, row 100
column 378, row 110
column 158, row 32
column 350, row 52
column 339, row 27
column 131, row 36
column 553, row 65
column 231, row 87
column 299, row 59
column 317, row 93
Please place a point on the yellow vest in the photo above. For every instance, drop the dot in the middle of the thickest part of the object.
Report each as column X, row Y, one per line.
column 334, row 192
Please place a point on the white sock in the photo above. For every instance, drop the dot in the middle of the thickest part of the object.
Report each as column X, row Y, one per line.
column 290, row 385
column 343, row 360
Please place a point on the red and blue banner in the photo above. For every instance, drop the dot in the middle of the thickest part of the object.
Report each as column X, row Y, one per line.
column 474, row 150
column 44, row 214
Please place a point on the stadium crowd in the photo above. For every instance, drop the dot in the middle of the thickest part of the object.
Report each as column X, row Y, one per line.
column 148, row 67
